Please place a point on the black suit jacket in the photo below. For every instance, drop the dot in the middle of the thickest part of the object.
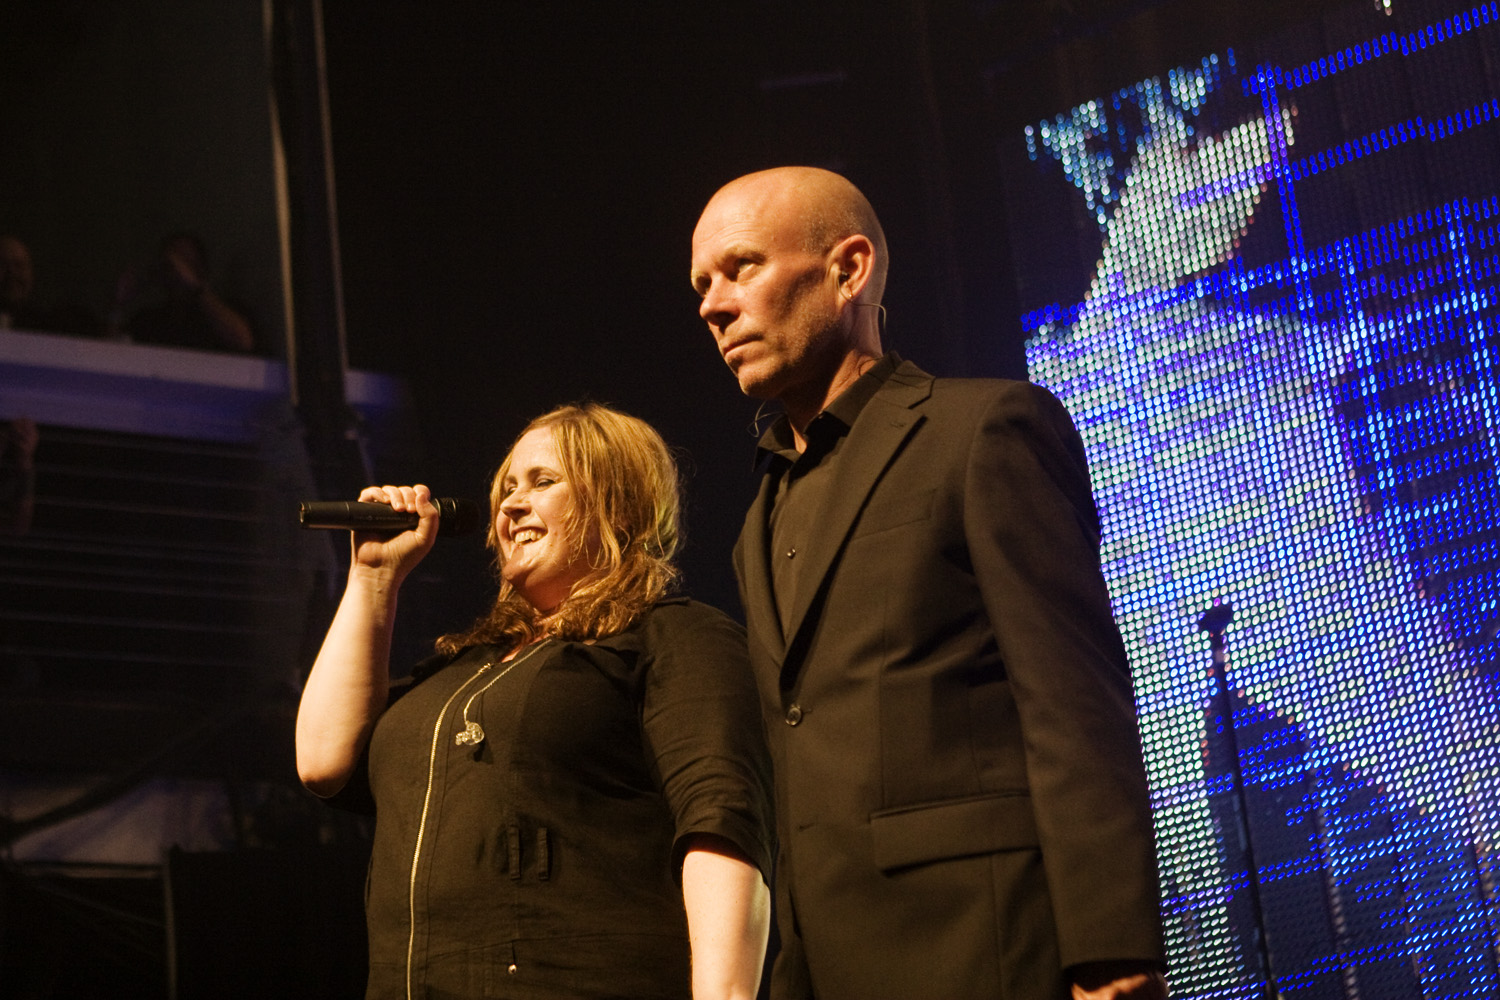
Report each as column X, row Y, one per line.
column 961, row 800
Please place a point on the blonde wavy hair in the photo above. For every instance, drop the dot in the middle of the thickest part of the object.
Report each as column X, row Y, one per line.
column 627, row 493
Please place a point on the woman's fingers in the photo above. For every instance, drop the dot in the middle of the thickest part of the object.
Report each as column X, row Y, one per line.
column 415, row 498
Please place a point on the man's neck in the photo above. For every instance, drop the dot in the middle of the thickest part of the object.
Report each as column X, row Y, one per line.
column 803, row 407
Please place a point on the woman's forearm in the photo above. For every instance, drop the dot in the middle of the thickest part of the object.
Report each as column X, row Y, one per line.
column 729, row 916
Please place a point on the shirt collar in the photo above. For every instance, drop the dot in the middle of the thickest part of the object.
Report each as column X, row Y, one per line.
column 837, row 417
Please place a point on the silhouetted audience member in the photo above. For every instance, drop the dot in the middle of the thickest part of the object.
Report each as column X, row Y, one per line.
column 18, row 438
column 19, row 309
column 19, row 670
column 172, row 303
column 17, row 279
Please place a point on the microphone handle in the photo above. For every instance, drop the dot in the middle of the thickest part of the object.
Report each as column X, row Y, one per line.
column 456, row 517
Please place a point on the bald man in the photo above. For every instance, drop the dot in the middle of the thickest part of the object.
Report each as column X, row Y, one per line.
column 962, row 806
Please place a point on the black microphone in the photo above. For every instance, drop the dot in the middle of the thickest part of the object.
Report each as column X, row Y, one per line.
column 456, row 517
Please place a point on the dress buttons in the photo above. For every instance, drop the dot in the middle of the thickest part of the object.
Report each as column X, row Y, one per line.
column 794, row 715
column 791, row 553
column 511, row 969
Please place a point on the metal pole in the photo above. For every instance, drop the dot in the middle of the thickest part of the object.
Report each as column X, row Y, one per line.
column 1214, row 621
column 316, row 352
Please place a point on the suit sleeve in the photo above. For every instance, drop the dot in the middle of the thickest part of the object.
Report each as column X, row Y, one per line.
column 1033, row 536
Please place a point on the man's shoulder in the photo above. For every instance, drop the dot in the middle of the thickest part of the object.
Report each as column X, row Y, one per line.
column 966, row 393
column 956, row 408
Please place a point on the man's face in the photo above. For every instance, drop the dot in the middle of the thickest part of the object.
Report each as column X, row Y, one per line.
column 769, row 301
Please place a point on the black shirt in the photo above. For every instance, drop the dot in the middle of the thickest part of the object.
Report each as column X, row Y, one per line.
column 541, row 860
column 804, row 480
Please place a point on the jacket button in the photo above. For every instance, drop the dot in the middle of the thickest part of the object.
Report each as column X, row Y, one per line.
column 794, row 715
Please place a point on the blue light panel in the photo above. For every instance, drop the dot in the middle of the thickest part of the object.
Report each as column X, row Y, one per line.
column 1285, row 363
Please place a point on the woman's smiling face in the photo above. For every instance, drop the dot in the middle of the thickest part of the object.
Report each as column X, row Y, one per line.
column 539, row 554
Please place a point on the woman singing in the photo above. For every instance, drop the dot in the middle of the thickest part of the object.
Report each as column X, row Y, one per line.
column 572, row 797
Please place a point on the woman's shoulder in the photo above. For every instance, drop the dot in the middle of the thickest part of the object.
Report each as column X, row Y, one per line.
column 686, row 645
column 677, row 623
column 682, row 612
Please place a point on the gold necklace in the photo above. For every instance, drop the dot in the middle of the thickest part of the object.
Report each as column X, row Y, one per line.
column 473, row 733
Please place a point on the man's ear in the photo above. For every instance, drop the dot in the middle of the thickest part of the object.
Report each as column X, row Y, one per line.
column 851, row 262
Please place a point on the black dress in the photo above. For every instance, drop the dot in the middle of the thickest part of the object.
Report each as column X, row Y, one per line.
column 540, row 856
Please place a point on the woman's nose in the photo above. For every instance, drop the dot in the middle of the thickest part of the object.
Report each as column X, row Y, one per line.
column 515, row 504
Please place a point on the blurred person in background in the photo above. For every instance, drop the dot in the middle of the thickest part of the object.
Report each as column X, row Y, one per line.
column 19, row 308
column 172, row 303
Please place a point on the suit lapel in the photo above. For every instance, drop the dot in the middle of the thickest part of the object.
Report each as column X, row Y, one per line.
column 884, row 426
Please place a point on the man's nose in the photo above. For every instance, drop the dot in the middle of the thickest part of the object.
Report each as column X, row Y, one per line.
column 716, row 307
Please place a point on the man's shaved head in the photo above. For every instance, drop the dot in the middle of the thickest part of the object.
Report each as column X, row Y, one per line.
column 827, row 206
column 789, row 265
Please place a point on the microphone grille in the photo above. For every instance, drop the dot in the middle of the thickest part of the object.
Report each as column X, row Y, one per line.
column 458, row 516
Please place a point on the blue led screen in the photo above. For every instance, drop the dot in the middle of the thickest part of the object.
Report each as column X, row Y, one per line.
column 1265, row 285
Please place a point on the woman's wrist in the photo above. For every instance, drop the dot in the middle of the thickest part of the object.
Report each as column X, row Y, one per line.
column 378, row 585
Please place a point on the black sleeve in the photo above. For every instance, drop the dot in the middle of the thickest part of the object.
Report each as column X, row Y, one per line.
column 1033, row 535
column 701, row 719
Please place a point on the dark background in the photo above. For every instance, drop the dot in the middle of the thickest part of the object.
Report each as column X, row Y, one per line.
column 517, row 188
column 517, row 185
